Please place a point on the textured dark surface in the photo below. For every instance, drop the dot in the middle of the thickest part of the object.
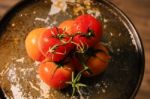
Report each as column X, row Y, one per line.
column 130, row 8
column 138, row 12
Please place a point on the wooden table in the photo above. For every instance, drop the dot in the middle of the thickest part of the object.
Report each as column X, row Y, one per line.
column 139, row 13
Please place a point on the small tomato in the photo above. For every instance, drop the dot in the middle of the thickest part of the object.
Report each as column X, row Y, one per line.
column 31, row 44
column 97, row 61
column 89, row 30
column 55, row 76
column 54, row 44
column 67, row 26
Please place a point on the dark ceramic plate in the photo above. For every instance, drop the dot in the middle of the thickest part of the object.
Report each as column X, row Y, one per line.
column 18, row 76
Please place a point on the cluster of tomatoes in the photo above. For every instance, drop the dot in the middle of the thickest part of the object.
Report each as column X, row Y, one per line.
column 73, row 46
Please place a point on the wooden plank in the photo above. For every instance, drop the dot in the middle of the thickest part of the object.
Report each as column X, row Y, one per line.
column 5, row 5
column 8, row 2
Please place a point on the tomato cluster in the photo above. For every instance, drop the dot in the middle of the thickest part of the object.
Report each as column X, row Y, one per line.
column 72, row 46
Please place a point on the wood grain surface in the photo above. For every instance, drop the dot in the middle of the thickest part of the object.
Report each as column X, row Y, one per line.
column 139, row 13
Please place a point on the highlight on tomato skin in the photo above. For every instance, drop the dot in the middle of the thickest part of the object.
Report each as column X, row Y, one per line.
column 32, row 46
column 54, row 76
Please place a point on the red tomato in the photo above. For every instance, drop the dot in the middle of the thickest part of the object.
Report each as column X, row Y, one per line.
column 89, row 30
column 32, row 46
column 97, row 62
column 54, row 45
column 67, row 26
column 54, row 76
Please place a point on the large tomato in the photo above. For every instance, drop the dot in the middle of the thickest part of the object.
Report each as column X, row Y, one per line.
column 54, row 76
column 97, row 61
column 89, row 30
column 54, row 44
column 32, row 46
column 67, row 26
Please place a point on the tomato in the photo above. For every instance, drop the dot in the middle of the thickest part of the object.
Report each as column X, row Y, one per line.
column 54, row 44
column 32, row 46
column 54, row 76
column 97, row 61
column 67, row 26
column 89, row 30
column 97, row 64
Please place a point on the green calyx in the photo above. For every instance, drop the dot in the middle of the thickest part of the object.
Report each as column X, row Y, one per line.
column 90, row 33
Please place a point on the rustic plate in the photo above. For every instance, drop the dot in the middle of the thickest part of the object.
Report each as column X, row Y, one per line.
column 18, row 76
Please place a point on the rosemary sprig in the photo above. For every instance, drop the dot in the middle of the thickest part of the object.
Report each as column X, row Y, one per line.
column 75, row 82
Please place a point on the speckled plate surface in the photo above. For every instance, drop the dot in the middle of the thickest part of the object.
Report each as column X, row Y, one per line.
column 18, row 76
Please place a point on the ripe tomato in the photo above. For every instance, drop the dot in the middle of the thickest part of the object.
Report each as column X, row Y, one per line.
column 54, row 76
column 32, row 46
column 67, row 26
column 97, row 61
column 54, row 45
column 89, row 30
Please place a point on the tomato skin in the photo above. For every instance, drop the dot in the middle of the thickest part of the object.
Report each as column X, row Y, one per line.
column 53, row 47
column 55, row 77
column 67, row 26
column 32, row 46
column 85, row 23
column 97, row 63
column 81, row 43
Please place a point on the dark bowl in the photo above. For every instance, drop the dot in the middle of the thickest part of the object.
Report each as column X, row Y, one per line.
column 18, row 76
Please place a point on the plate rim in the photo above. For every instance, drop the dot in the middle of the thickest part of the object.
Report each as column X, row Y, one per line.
column 139, row 44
